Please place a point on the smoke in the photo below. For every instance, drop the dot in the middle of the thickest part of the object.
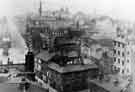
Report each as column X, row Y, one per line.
column 18, row 47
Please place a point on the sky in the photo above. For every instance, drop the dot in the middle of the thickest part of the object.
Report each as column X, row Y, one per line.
column 121, row 9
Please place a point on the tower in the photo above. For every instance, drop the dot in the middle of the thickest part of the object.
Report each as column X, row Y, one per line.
column 29, row 62
column 29, row 65
column 40, row 8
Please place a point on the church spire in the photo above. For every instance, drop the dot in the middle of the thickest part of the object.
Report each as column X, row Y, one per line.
column 40, row 8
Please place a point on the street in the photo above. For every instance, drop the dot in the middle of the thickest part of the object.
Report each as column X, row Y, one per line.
column 15, row 88
column 12, row 85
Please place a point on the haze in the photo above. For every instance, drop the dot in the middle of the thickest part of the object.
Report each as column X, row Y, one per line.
column 121, row 9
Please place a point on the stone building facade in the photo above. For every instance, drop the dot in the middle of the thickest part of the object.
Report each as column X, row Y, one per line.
column 123, row 52
column 70, row 78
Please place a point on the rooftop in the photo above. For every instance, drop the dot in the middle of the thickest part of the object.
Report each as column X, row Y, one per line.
column 109, row 86
column 102, row 42
column 106, row 42
column 45, row 55
column 71, row 68
column 52, row 21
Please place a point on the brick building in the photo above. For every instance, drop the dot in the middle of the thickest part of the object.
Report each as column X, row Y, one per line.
column 70, row 78
column 41, row 66
column 63, row 70
column 58, row 78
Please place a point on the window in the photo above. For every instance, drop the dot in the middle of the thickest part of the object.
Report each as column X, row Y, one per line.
column 39, row 61
column 118, row 69
column 38, row 67
column 42, row 31
column 115, row 68
column 123, row 54
column 118, row 60
column 118, row 44
column 36, row 22
column 123, row 71
column 44, row 78
column 114, row 43
column 47, row 73
column 122, row 62
column 128, row 53
column 114, row 59
column 118, row 52
column 35, row 59
column 114, row 51
column 44, row 45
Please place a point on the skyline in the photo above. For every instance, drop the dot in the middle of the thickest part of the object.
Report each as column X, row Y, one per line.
column 119, row 9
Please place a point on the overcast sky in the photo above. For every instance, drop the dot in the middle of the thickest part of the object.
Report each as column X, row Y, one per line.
column 123, row 9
